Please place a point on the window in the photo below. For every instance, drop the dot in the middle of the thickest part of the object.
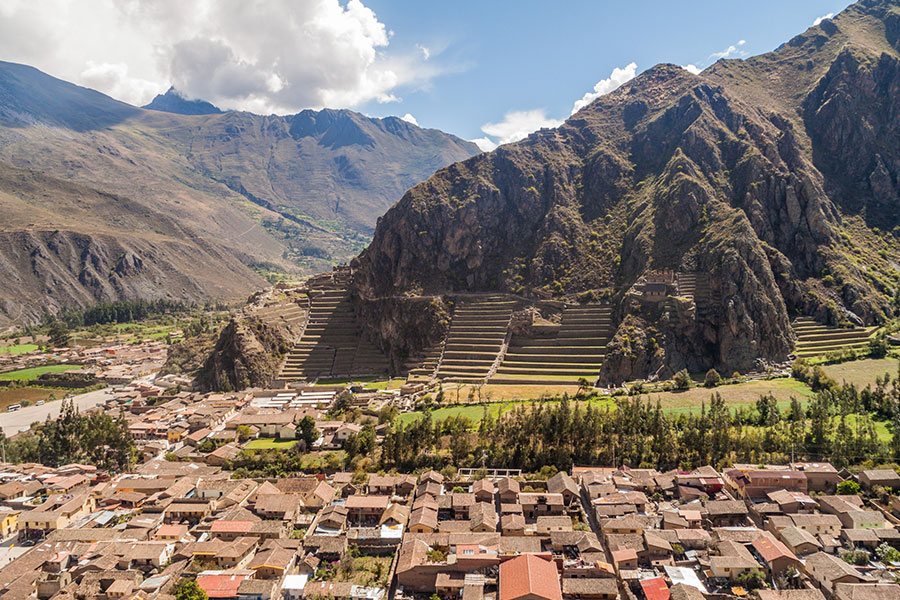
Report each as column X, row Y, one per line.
column 468, row 552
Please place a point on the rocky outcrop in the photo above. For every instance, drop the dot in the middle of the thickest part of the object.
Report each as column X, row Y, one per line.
column 775, row 177
column 403, row 326
column 251, row 348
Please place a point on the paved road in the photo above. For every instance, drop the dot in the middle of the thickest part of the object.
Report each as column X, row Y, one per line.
column 14, row 422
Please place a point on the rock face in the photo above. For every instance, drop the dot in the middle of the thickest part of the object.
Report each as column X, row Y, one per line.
column 768, row 176
column 251, row 348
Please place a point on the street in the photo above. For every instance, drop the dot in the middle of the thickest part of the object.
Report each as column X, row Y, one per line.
column 20, row 420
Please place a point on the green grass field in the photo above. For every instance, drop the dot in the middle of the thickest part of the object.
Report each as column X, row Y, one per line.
column 18, row 349
column 736, row 395
column 862, row 372
column 269, row 444
column 34, row 372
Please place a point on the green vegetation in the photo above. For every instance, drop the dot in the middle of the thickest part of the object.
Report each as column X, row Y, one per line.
column 848, row 488
column 98, row 439
column 35, row 372
column 19, row 349
column 187, row 589
column 270, row 443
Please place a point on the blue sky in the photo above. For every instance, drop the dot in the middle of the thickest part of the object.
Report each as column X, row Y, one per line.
column 457, row 65
column 526, row 55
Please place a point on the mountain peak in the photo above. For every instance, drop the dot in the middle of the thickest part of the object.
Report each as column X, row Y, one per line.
column 174, row 101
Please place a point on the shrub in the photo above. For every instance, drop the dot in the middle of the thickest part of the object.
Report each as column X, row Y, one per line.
column 682, row 380
column 848, row 488
column 712, row 378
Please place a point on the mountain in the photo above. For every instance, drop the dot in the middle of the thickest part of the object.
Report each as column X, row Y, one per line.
column 104, row 201
column 773, row 180
column 173, row 102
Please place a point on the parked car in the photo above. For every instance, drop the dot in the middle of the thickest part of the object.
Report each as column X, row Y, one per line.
column 39, row 403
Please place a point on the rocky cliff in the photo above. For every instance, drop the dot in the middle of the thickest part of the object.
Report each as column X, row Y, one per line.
column 775, row 178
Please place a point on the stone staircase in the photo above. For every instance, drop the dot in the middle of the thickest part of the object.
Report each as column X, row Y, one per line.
column 815, row 339
column 576, row 351
column 476, row 336
column 331, row 344
column 687, row 284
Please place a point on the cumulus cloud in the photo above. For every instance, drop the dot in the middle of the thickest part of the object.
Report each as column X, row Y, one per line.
column 822, row 18
column 517, row 124
column 692, row 69
column 618, row 76
column 732, row 50
column 410, row 119
column 274, row 56
column 485, row 144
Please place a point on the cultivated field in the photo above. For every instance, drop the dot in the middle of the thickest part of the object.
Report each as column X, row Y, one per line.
column 34, row 372
column 32, row 395
column 862, row 372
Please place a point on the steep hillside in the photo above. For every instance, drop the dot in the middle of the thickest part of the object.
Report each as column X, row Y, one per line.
column 195, row 204
column 174, row 102
column 775, row 178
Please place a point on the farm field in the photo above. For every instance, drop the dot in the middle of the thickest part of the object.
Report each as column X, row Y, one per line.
column 18, row 349
column 736, row 395
column 32, row 395
column 34, row 372
column 862, row 372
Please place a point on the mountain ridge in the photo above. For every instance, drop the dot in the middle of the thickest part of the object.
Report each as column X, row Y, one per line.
column 115, row 180
column 727, row 173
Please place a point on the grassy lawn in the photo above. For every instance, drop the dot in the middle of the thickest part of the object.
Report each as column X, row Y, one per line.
column 318, row 460
column 862, row 372
column 19, row 349
column 34, row 372
column 269, row 444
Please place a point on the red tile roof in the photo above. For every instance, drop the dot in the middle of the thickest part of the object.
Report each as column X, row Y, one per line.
column 771, row 549
column 223, row 585
column 529, row 575
column 655, row 589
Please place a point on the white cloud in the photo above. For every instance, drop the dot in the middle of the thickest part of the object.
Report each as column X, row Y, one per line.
column 410, row 119
column 485, row 144
column 692, row 69
column 732, row 50
column 618, row 76
column 517, row 124
column 822, row 18
column 274, row 56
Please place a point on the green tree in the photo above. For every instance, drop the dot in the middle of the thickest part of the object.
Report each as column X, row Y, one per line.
column 752, row 580
column 244, row 433
column 307, row 431
column 187, row 589
column 59, row 334
column 712, row 378
column 682, row 380
column 848, row 488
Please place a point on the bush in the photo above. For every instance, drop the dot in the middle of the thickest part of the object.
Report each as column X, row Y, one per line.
column 682, row 380
column 856, row 557
column 847, row 488
column 712, row 378
column 752, row 580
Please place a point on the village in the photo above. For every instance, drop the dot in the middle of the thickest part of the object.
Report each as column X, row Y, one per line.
column 801, row 531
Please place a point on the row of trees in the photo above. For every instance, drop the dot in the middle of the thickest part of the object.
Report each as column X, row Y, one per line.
column 121, row 311
column 98, row 439
column 836, row 425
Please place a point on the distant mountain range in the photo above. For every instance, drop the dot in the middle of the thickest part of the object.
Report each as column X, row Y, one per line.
column 104, row 201
column 773, row 182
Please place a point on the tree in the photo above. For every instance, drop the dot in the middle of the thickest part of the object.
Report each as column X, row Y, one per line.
column 244, row 433
column 307, row 431
column 682, row 380
column 187, row 589
column 887, row 553
column 712, row 378
column 752, row 580
column 848, row 488
column 59, row 334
